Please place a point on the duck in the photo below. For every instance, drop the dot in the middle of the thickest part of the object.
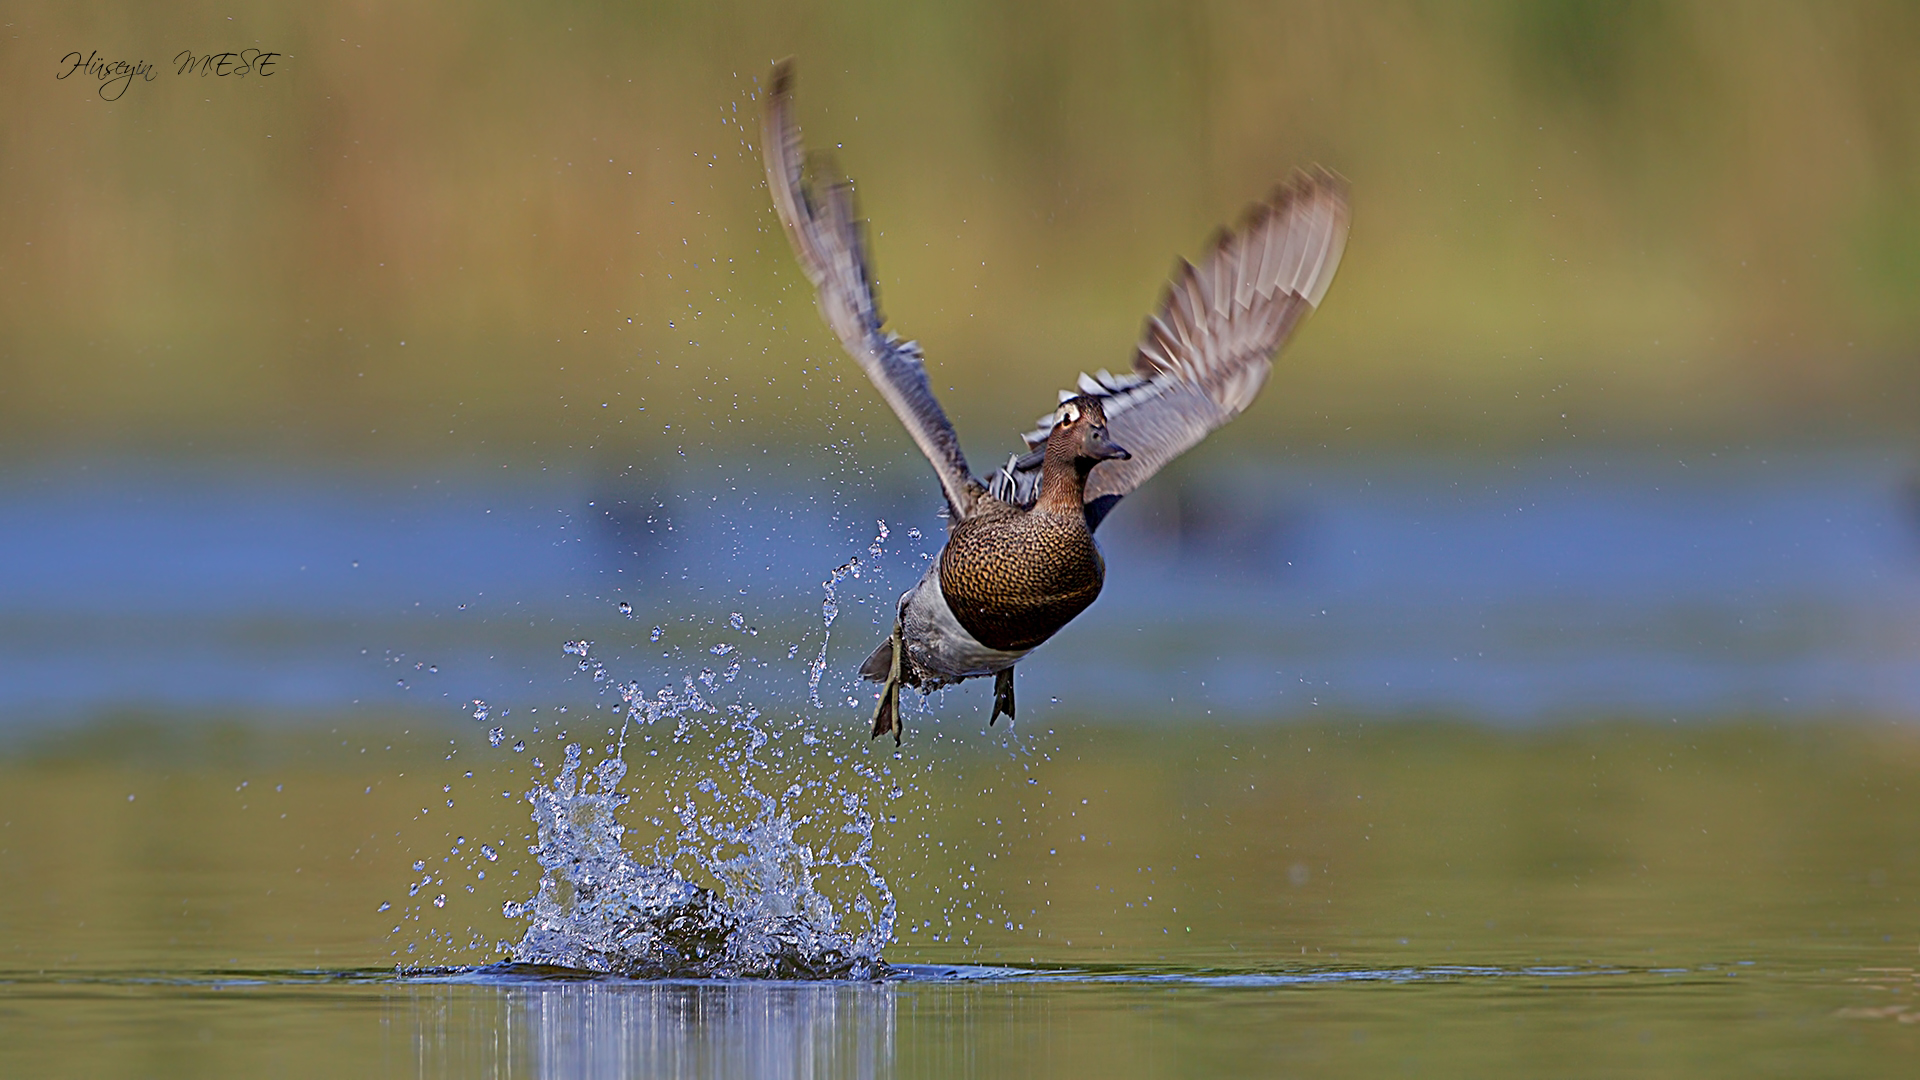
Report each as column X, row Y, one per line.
column 1020, row 560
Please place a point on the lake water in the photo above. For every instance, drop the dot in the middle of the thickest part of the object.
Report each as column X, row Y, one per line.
column 1597, row 898
column 1572, row 768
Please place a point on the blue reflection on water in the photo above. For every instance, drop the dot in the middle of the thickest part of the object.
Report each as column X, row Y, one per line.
column 716, row 1030
column 1765, row 583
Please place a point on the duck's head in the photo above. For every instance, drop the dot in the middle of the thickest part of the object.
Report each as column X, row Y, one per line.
column 1080, row 433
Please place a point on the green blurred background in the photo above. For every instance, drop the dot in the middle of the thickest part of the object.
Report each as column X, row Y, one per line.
column 541, row 231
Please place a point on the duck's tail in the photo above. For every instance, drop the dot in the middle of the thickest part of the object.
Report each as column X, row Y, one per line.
column 879, row 665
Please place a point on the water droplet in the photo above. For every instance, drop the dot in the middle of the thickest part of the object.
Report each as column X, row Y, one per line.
column 479, row 710
column 384, row 905
column 721, row 650
column 491, row 855
column 496, row 736
column 440, row 901
column 577, row 648
column 519, row 745
column 626, row 609
column 415, row 890
column 739, row 621
column 656, row 633
column 419, row 865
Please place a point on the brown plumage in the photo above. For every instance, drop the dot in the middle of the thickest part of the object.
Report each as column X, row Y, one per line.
column 1020, row 560
column 1015, row 575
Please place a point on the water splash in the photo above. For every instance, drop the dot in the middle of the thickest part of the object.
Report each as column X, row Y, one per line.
column 734, row 892
column 830, row 610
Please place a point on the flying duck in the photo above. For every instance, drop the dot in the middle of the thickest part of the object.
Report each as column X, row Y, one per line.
column 1020, row 560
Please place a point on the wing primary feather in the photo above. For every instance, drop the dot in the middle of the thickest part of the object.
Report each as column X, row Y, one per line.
column 830, row 241
column 1207, row 352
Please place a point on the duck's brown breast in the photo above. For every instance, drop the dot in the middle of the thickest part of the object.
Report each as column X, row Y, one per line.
column 1014, row 578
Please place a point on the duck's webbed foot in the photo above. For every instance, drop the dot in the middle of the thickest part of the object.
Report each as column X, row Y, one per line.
column 1002, row 696
column 886, row 715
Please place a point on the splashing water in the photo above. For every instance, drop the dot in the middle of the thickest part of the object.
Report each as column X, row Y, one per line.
column 734, row 892
column 830, row 610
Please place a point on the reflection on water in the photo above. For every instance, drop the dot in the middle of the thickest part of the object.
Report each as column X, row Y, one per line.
column 716, row 1030
column 580, row 1028
column 1763, row 584
column 1786, row 1018
column 570, row 1027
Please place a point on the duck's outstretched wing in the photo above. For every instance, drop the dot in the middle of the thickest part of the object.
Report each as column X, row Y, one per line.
column 1205, row 356
column 830, row 240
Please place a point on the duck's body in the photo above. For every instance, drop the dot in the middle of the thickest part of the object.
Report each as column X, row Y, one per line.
column 1020, row 559
column 1015, row 575
column 1005, row 582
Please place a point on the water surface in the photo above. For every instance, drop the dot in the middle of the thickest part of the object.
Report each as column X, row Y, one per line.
column 1168, row 898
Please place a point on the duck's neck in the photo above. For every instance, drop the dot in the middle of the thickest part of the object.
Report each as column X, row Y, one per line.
column 1063, row 485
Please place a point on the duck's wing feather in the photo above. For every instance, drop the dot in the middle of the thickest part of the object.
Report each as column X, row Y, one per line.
column 1205, row 356
column 830, row 240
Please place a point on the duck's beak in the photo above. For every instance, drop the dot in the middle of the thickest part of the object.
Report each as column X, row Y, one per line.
column 1101, row 448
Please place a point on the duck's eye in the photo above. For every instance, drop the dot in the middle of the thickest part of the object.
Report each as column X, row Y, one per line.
column 1069, row 413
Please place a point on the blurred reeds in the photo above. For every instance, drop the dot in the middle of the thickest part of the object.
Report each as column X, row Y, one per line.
column 1576, row 221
